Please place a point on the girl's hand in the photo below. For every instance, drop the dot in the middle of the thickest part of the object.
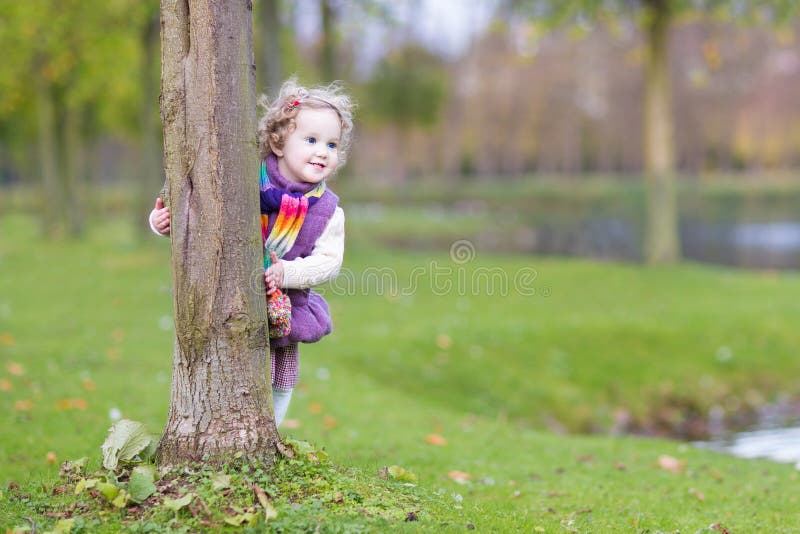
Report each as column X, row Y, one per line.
column 273, row 277
column 161, row 217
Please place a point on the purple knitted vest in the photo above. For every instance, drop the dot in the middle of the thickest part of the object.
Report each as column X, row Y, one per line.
column 311, row 319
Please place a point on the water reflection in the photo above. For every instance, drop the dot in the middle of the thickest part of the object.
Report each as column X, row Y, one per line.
column 778, row 444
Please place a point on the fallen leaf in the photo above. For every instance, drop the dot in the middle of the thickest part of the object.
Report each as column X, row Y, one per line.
column 176, row 504
column 698, row 494
column 6, row 339
column 673, row 465
column 5, row 385
column 63, row 526
column 396, row 472
column 459, row 476
column 315, row 407
column 443, row 341
column 23, row 405
column 15, row 369
column 126, row 439
column 436, row 439
column 221, row 481
column 290, row 423
column 140, row 484
column 51, row 457
column 68, row 404
column 88, row 385
column 329, row 422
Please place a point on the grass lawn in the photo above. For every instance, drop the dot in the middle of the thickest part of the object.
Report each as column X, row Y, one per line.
column 435, row 366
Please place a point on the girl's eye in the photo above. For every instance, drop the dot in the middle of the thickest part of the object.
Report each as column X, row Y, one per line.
column 332, row 145
column 311, row 140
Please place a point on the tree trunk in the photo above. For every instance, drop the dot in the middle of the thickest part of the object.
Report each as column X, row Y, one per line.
column 221, row 400
column 270, row 66
column 661, row 241
column 53, row 208
column 73, row 143
column 328, row 47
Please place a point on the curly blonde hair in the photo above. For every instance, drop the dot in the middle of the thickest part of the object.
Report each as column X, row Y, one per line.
column 278, row 120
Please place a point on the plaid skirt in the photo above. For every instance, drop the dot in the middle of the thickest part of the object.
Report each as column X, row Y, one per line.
column 285, row 366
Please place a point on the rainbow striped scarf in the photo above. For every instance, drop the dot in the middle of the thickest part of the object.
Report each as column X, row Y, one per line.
column 291, row 207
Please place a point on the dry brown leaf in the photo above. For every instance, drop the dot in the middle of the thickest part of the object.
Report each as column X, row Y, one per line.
column 15, row 369
column 329, row 422
column 23, row 405
column 291, row 424
column 459, row 476
column 671, row 464
column 436, row 439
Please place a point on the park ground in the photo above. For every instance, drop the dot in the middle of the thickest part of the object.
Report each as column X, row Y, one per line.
column 502, row 403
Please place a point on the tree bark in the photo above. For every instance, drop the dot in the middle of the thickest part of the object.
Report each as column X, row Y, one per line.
column 661, row 241
column 221, row 400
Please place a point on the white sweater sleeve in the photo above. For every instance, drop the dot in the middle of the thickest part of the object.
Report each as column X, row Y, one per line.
column 325, row 260
column 152, row 227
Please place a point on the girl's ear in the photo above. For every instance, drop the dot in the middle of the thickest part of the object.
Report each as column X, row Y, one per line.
column 275, row 150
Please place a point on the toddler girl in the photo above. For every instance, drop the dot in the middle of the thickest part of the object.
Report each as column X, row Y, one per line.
column 303, row 138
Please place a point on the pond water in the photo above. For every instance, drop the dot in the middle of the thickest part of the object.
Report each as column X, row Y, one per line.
column 773, row 245
column 778, row 444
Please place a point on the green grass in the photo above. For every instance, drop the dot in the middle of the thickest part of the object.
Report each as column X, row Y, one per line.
column 85, row 328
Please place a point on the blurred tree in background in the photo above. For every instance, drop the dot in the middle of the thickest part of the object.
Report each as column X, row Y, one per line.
column 71, row 75
column 539, row 87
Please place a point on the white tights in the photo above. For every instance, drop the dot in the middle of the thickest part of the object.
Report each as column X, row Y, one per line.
column 280, row 400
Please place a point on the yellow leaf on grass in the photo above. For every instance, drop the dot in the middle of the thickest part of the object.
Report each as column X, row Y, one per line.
column 436, row 439
column 6, row 339
column 69, row 404
column 5, row 385
column 15, row 369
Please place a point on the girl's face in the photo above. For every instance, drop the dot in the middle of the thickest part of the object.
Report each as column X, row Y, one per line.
column 310, row 153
